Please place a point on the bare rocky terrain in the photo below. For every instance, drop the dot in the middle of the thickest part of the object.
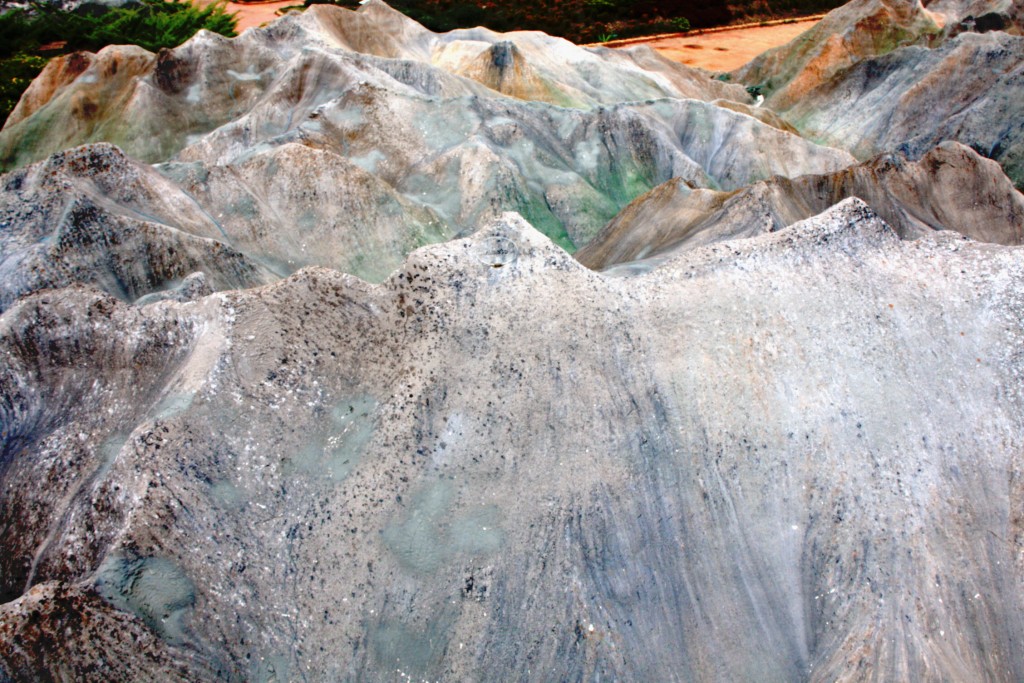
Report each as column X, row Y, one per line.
column 950, row 188
column 881, row 76
column 347, row 351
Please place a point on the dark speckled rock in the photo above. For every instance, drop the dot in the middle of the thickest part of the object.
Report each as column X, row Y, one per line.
column 792, row 452
column 516, row 469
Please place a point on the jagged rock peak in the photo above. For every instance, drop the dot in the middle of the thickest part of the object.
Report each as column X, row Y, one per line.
column 949, row 188
column 92, row 215
column 848, row 227
column 874, row 76
column 148, row 104
column 506, row 248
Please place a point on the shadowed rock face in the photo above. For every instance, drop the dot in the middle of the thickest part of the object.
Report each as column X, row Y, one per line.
column 950, row 188
column 407, row 475
column 980, row 15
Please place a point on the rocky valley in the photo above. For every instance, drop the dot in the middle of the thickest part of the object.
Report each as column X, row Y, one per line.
column 348, row 351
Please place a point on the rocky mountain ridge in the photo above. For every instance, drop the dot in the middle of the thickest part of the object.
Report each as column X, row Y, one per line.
column 302, row 379
column 875, row 76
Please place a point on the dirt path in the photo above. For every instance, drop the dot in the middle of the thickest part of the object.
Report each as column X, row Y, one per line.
column 724, row 49
column 252, row 14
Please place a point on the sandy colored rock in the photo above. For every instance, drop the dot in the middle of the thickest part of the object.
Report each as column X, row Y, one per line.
column 858, row 30
column 877, row 75
column 969, row 89
column 950, row 188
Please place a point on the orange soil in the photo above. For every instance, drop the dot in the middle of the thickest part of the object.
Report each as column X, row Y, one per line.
column 252, row 14
column 726, row 49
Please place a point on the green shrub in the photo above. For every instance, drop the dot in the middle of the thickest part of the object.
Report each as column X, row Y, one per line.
column 681, row 24
column 152, row 24
column 16, row 72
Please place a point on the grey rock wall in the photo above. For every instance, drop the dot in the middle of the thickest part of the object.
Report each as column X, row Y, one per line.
column 949, row 188
column 877, row 75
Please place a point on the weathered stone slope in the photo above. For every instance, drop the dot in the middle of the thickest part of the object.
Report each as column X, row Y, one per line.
column 789, row 448
column 794, row 457
column 858, row 30
column 950, row 188
column 361, row 183
column 877, row 75
column 347, row 139
column 92, row 215
column 153, row 105
column 970, row 89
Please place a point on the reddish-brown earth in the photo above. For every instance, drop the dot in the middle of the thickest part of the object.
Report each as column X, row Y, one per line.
column 725, row 49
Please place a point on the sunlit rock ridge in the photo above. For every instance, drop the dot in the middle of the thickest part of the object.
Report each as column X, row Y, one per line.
column 882, row 75
column 348, row 351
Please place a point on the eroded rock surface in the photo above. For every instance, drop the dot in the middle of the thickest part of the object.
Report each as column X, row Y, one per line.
column 404, row 475
column 877, row 75
column 323, row 396
column 970, row 89
column 347, row 140
column 92, row 215
column 950, row 188
column 858, row 30
column 154, row 105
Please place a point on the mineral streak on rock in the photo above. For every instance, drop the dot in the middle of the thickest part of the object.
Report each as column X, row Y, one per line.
column 858, row 30
column 969, row 89
column 92, row 215
column 322, row 395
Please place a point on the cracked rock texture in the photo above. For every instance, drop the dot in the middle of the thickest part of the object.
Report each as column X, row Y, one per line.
column 300, row 380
